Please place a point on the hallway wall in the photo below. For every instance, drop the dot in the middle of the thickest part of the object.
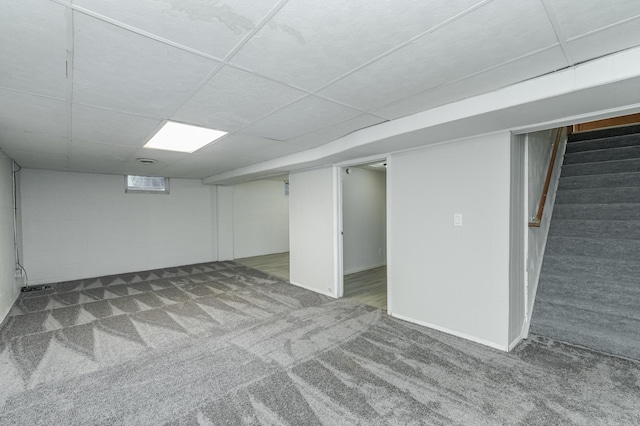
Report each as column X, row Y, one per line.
column 8, row 286
column 313, row 229
column 452, row 278
column 260, row 219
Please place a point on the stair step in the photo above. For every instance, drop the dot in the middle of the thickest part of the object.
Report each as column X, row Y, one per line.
column 598, row 195
column 603, row 248
column 589, row 329
column 616, row 229
column 604, row 167
column 613, row 270
column 594, row 301
column 600, row 181
column 605, row 133
column 600, row 155
column 609, row 291
column 605, row 143
column 596, row 212
column 597, row 296
column 609, row 154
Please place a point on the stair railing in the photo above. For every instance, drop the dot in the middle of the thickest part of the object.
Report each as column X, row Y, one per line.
column 537, row 220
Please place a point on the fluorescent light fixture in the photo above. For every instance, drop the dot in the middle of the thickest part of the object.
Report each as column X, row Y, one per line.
column 183, row 137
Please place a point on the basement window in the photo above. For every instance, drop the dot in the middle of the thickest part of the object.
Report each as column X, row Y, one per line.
column 146, row 184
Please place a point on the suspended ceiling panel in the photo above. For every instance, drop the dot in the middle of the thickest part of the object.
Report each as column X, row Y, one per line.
column 230, row 144
column 330, row 133
column 212, row 27
column 84, row 84
column 304, row 116
column 233, row 99
column 476, row 84
column 125, row 71
column 16, row 140
column 581, row 17
column 40, row 160
column 485, row 38
column 309, row 43
column 33, row 115
column 33, row 50
column 605, row 41
column 105, row 126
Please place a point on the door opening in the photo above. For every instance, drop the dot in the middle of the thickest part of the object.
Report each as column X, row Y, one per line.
column 364, row 233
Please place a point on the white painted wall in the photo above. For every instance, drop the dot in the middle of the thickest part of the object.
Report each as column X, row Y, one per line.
column 364, row 201
column 517, row 229
column 455, row 279
column 539, row 151
column 260, row 219
column 8, row 287
column 78, row 225
column 224, row 222
column 312, row 229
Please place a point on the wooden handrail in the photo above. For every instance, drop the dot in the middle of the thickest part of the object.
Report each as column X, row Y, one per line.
column 535, row 223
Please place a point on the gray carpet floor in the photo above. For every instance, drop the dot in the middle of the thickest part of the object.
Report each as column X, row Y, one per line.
column 220, row 343
column 589, row 289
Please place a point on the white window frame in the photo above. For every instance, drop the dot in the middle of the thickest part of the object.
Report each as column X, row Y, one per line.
column 135, row 190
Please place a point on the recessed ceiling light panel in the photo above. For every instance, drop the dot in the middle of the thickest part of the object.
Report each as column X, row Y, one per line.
column 183, row 137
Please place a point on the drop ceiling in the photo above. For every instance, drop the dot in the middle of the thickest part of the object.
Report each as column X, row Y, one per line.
column 84, row 84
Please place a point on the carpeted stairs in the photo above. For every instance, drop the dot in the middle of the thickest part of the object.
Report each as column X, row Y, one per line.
column 589, row 288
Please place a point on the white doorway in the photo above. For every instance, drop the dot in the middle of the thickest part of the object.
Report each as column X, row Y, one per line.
column 363, row 233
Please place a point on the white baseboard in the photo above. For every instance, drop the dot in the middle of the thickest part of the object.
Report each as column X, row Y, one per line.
column 315, row 290
column 454, row 333
column 364, row 268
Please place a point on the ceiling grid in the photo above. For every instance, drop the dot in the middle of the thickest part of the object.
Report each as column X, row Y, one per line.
column 84, row 84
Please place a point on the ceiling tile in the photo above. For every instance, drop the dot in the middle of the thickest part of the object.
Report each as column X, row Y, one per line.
column 34, row 47
column 331, row 133
column 237, row 145
column 183, row 173
column 111, row 127
column 210, row 27
column 33, row 114
column 233, row 99
column 231, row 152
column 612, row 39
column 513, row 72
column 490, row 35
column 304, row 116
column 309, row 43
column 578, row 17
column 93, row 165
column 121, row 70
column 270, row 154
column 164, row 157
column 40, row 160
column 191, row 164
column 19, row 140
column 200, row 168
column 133, row 167
column 96, row 151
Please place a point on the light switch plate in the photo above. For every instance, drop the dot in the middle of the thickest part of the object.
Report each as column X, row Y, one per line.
column 457, row 219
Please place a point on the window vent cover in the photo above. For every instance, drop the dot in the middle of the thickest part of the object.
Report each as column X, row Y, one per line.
column 147, row 184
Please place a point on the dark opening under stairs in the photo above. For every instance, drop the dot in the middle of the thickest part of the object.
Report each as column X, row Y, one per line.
column 589, row 288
